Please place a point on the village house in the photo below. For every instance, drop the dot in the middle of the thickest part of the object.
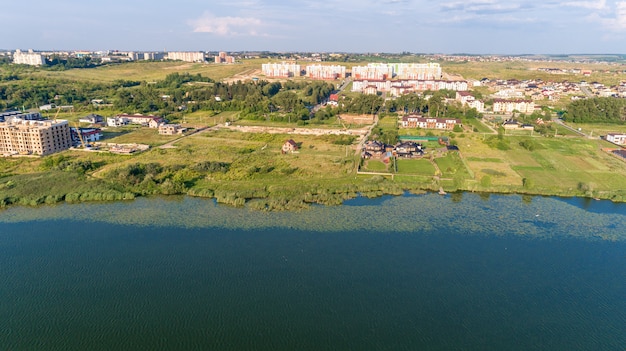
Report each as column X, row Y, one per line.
column 123, row 119
column 408, row 149
column 418, row 121
column 616, row 138
column 88, row 135
column 92, row 119
column 374, row 147
column 511, row 124
column 289, row 146
column 171, row 129
column 116, row 122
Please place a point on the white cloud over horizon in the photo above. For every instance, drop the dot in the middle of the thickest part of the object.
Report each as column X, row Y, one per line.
column 227, row 25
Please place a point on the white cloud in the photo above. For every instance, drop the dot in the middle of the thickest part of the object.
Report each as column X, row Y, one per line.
column 618, row 22
column 592, row 5
column 227, row 26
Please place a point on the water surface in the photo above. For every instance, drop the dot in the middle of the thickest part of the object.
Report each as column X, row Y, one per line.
column 399, row 273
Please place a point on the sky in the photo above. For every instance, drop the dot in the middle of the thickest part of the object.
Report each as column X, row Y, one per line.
column 393, row 26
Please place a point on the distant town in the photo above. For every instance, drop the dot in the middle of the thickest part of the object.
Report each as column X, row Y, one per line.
column 28, row 132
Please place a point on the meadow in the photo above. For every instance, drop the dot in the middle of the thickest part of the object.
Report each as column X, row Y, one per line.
column 239, row 168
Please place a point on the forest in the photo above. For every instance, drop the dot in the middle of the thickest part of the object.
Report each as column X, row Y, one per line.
column 597, row 110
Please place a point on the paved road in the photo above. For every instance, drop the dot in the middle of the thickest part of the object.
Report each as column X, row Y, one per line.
column 560, row 121
column 586, row 91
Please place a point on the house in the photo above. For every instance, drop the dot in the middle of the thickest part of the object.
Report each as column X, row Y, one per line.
column 408, row 149
column 289, row 146
column 88, row 135
column 47, row 107
column 156, row 122
column 116, row 121
column 150, row 120
column 616, row 138
column 171, row 129
column 374, row 147
column 92, row 119
column 511, row 124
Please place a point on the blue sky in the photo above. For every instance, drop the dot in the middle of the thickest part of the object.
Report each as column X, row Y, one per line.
column 448, row 26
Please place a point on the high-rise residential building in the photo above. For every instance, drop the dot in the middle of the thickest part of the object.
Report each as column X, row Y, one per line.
column 373, row 71
column 422, row 71
column 187, row 56
column 222, row 57
column 28, row 58
column 155, row 56
column 28, row 137
column 281, row 70
column 325, row 71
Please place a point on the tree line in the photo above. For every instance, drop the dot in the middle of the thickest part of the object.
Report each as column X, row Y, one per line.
column 601, row 109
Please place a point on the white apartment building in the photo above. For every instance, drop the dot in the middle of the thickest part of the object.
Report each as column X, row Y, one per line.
column 28, row 58
column 325, row 71
column 508, row 106
column 420, row 71
column 397, row 88
column 281, row 70
column 373, row 71
column 467, row 99
column 187, row 56
column 24, row 137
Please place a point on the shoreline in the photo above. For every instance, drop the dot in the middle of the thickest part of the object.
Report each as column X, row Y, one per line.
column 295, row 201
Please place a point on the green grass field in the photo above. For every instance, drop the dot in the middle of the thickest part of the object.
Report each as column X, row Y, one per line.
column 480, row 127
column 153, row 71
column 374, row 166
column 416, row 167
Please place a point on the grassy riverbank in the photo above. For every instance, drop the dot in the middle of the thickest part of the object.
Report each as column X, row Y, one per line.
column 238, row 168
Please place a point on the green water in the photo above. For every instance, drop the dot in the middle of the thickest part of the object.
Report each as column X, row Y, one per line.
column 395, row 273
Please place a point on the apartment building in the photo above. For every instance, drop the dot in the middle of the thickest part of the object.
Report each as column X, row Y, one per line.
column 187, row 56
column 28, row 58
column 508, row 106
column 418, row 121
column 281, row 70
column 397, row 88
column 373, row 71
column 419, row 71
column 28, row 115
column 325, row 71
column 29, row 137
column 222, row 57
column 467, row 99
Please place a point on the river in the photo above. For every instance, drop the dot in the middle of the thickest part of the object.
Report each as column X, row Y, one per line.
column 415, row 272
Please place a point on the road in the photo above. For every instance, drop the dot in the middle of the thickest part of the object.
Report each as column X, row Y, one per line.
column 586, row 91
column 170, row 144
column 560, row 122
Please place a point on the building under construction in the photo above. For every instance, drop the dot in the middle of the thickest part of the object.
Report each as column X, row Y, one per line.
column 31, row 137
